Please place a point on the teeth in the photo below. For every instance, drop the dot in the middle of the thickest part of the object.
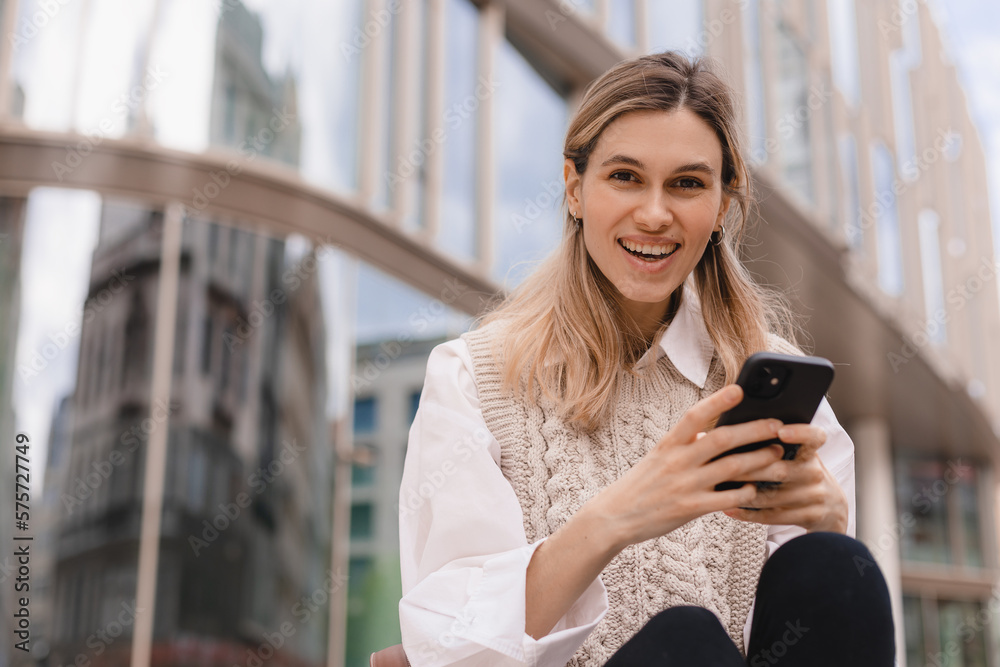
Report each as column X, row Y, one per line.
column 648, row 249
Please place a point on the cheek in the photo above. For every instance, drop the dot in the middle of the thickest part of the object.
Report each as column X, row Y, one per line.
column 594, row 242
column 603, row 208
column 702, row 217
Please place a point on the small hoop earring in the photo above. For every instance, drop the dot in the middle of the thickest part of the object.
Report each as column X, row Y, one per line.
column 718, row 236
column 578, row 221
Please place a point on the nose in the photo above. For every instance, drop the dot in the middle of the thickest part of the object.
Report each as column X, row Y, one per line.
column 654, row 211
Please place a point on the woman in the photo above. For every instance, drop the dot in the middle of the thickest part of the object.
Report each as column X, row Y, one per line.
column 558, row 501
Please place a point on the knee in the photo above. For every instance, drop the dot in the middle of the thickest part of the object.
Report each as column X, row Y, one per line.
column 833, row 581
column 813, row 549
column 682, row 635
column 824, row 560
column 683, row 620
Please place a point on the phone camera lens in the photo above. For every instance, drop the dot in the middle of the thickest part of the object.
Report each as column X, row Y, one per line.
column 767, row 382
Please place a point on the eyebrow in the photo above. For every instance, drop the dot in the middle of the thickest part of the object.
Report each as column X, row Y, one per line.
column 633, row 162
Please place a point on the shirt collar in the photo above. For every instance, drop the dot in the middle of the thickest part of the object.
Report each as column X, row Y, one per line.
column 685, row 341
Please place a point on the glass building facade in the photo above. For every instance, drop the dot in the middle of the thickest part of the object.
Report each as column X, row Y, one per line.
column 231, row 232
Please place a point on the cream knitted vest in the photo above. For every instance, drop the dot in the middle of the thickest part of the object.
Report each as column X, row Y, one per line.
column 713, row 561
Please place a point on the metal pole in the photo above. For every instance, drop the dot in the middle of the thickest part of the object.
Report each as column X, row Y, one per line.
column 156, row 455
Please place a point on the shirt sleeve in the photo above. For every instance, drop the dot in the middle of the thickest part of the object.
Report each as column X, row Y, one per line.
column 463, row 550
column 837, row 454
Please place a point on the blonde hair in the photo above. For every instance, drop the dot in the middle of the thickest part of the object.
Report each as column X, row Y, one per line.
column 567, row 331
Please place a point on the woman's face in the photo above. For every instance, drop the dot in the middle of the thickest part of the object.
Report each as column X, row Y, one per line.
column 652, row 185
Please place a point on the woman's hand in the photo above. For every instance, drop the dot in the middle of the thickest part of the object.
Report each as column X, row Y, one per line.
column 675, row 481
column 671, row 485
column 809, row 496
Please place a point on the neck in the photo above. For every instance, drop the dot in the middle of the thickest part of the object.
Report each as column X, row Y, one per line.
column 650, row 318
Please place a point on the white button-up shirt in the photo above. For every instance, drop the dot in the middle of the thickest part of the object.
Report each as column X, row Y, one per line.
column 463, row 551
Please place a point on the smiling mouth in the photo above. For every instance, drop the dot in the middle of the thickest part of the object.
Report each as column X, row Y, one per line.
column 650, row 257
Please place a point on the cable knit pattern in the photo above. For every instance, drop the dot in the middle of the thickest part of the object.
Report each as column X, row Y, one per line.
column 554, row 468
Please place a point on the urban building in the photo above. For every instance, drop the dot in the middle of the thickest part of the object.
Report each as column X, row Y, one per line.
column 423, row 141
column 246, row 518
column 387, row 382
column 11, row 235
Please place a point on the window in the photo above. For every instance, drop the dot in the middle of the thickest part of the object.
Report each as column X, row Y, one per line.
column 844, row 51
column 213, row 242
column 362, row 521
column 976, row 387
column 206, row 346
column 96, row 359
column 414, row 404
column 244, row 375
column 886, row 214
column 901, row 62
column 930, row 262
column 234, row 246
column 227, row 357
column 621, row 22
column 136, row 340
column 956, row 182
column 362, row 474
column 363, row 466
column 357, row 571
column 180, row 335
column 463, row 96
column 229, row 108
column 755, row 107
column 853, row 230
column 414, row 213
column 961, row 629
column 940, row 511
column 197, row 476
column 387, row 133
column 529, row 112
column 796, row 105
column 946, row 632
column 365, row 415
column 103, row 363
column 913, row 624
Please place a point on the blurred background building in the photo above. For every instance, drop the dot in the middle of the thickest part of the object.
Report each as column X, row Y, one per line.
column 232, row 231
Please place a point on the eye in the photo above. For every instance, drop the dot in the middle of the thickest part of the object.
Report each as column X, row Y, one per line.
column 624, row 176
column 688, row 183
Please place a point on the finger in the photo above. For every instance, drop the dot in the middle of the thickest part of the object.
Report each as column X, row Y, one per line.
column 810, row 437
column 789, row 495
column 738, row 467
column 793, row 473
column 718, row 501
column 705, row 412
column 725, row 438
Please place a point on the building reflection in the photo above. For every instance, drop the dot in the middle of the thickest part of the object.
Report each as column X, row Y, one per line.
column 246, row 522
column 12, row 211
column 246, row 527
column 386, row 398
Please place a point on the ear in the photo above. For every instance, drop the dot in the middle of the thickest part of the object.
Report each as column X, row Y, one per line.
column 574, row 187
column 723, row 209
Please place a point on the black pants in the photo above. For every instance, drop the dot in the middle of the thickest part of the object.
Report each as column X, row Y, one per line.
column 821, row 601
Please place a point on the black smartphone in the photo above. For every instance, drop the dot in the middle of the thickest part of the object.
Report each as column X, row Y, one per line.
column 778, row 386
